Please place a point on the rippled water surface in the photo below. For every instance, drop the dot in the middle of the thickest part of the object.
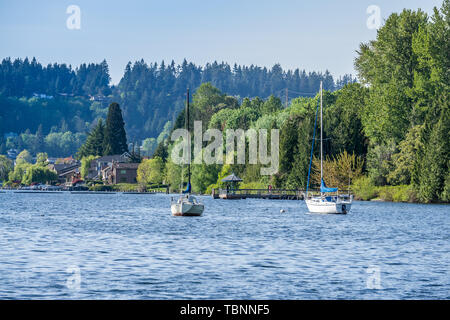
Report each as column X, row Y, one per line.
column 128, row 246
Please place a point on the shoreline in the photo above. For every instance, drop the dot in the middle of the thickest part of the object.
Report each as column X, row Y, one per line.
column 175, row 194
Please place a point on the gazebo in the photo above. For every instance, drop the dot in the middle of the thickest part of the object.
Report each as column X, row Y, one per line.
column 233, row 180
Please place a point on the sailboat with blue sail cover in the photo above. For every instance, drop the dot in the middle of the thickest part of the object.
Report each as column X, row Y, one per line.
column 187, row 204
column 329, row 200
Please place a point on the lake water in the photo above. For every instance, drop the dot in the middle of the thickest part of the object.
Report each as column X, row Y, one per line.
column 124, row 246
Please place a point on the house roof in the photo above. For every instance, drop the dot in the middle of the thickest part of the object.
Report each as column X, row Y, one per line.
column 61, row 168
column 114, row 157
column 126, row 165
column 231, row 178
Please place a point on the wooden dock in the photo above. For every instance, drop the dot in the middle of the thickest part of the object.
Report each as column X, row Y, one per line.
column 274, row 194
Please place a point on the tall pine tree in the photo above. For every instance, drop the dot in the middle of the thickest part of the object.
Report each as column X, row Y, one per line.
column 115, row 140
column 94, row 142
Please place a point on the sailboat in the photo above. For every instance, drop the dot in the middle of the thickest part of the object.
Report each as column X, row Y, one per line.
column 329, row 200
column 187, row 204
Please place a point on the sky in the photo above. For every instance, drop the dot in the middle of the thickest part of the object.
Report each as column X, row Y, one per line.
column 313, row 35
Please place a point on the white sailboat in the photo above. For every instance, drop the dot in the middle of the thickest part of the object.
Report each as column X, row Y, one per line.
column 323, row 203
column 186, row 204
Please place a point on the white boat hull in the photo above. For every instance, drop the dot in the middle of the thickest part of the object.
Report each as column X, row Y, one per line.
column 315, row 206
column 187, row 209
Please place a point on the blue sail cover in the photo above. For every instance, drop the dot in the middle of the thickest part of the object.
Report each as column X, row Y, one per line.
column 188, row 188
column 324, row 188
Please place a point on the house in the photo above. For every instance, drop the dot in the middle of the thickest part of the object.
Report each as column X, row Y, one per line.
column 66, row 172
column 123, row 173
column 106, row 172
column 97, row 97
column 119, row 172
column 97, row 165
column 12, row 154
column 42, row 96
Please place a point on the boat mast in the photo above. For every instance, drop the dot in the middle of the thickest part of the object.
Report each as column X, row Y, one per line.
column 187, row 128
column 321, row 147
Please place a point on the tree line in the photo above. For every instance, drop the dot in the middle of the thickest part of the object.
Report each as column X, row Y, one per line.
column 23, row 78
column 57, row 96
column 162, row 87
column 384, row 137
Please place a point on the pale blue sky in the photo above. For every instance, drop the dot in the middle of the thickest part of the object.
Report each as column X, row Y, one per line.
column 312, row 35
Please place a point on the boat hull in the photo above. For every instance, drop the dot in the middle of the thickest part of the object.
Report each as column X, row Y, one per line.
column 187, row 209
column 330, row 207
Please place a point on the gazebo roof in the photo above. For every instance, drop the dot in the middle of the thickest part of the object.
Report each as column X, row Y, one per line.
column 231, row 178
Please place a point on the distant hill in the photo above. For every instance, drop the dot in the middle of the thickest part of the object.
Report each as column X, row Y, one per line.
column 60, row 97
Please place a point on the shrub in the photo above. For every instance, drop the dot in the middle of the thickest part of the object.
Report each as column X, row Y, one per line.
column 100, row 187
column 364, row 189
column 253, row 185
column 125, row 187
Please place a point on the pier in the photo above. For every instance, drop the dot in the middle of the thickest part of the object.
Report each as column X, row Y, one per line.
column 273, row 194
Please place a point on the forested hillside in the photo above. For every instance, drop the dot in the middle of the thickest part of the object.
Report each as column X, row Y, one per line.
column 60, row 99
column 153, row 94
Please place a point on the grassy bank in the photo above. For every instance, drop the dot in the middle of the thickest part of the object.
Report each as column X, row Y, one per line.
column 364, row 189
column 127, row 187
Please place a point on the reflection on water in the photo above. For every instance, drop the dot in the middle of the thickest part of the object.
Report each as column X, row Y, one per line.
column 70, row 246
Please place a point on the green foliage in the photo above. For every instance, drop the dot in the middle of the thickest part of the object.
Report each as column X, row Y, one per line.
column 6, row 166
column 295, row 149
column 406, row 116
column 364, row 189
column 338, row 171
column 126, row 187
column 41, row 159
column 401, row 193
column 226, row 170
column 101, row 187
column 115, row 139
column 149, row 145
column 150, row 171
column 173, row 175
column 86, row 164
column 379, row 162
column 272, row 104
column 388, row 64
column 445, row 196
column 19, row 172
column 403, row 161
column 94, row 142
column 432, row 167
column 342, row 120
column 39, row 174
column 63, row 144
column 165, row 133
column 207, row 101
column 253, row 185
column 56, row 144
column 24, row 156
column 162, row 151
column 203, row 175
column 152, row 94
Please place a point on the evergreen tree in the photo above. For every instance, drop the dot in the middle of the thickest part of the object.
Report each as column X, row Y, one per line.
column 39, row 146
column 433, row 165
column 115, row 140
column 94, row 142
column 161, row 151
